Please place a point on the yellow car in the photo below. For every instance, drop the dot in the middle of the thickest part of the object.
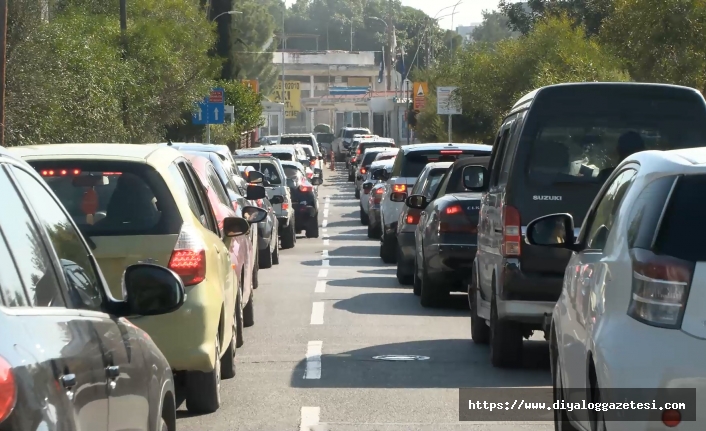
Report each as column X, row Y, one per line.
column 145, row 203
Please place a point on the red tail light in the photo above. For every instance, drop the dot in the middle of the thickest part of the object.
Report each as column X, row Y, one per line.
column 512, row 234
column 309, row 175
column 454, row 209
column 259, row 203
column 189, row 257
column 353, row 159
column 412, row 218
column 454, row 220
column 399, row 188
column 363, row 171
column 8, row 389
column 312, row 162
column 660, row 288
column 377, row 195
column 357, row 152
column 285, row 206
column 64, row 172
column 451, row 152
column 305, row 189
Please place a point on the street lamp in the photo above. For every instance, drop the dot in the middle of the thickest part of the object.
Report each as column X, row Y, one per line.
column 230, row 12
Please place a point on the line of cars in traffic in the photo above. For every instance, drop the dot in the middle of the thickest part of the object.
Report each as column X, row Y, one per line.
column 129, row 274
column 582, row 220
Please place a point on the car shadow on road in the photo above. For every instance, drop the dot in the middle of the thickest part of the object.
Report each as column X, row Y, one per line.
column 397, row 303
column 356, row 250
column 359, row 231
column 353, row 214
column 387, row 271
column 452, row 363
column 379, row 282
column 354, row 261
column 344, row 223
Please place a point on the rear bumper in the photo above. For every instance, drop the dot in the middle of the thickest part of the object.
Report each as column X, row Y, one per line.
column 303, row 214
column 450, row 264
column 518, row 285
column 406, row 245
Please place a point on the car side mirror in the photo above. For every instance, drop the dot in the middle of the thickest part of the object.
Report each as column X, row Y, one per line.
column 152, row 290
column 277, row 200
column 255, row 192
column 255, row 177
column 553, row 230
column 254, row 214
column 235, row 226
column 367, row 186
column 398, row 196
column 475, row 178
column 316, row 181
column 417, row 202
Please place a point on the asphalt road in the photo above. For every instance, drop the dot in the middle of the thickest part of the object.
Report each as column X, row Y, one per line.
column 324, row 313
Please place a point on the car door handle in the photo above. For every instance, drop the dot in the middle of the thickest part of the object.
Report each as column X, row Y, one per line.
column 68, row 381
column 498, row 230
column 112, row 371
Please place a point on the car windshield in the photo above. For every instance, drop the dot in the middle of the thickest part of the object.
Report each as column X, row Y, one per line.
column 308, row 151
column 585, row 142
column 415, row 161
column 268, row 170
column 347, row 134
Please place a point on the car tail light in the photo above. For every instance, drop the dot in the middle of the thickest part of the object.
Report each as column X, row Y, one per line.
column 660, row 288
column 357, row 152
column 285, row 205
column 453, row 220
column 451, row 152
column 363, row 171
column 454, row 209
column 399, row 188
column 8, row 389
column 377, row 195
column 312, row 162
column 354, row 159
column 305, row 188
column 412, row 218
column 511, row 231
column 309, row 175
column 260, row 203
column 671, row 418
column 64, row 172
column 188, row 259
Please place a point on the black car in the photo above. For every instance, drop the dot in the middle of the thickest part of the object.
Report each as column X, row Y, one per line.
column 446, row 238
column 553, row 152
column 69, row 359
column 304, row 200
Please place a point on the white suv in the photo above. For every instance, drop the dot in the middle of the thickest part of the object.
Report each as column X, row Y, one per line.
column 409, row 163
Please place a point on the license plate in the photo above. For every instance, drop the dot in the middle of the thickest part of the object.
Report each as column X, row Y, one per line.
column 302, row 203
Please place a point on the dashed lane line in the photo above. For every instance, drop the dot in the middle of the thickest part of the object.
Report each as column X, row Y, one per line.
column 323, row 273
column 309, row 418
column 313, row 360
column 320, row 286
column 317, row 313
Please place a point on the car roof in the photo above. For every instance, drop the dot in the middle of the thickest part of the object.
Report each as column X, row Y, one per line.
column 445, row 146
column 191, row 146
column 687, row 160
column 295, row 164
column 439, row 165
column 9, row 157
column 268, row 149
column 298, row 135
column 378, row 150
column 125, row 152
column 383, row 163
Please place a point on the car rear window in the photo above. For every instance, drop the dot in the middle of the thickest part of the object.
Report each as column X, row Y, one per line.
column 433, row 181
column 309, row 152
column 369, row 158
column 268, row 170
column 681, row 233
column 291, row 140
column 579, row 138
column 414, row 162
column 352, row 132
column 325, row 138
column 365, row 145
column 291, row 171
column 129, row 199
column 287, row 157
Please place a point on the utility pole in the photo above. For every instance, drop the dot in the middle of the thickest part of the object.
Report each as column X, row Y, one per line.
column 123, row 38
column 388, row 50
column 3, row 63
column 284, row 45
column 453, row 11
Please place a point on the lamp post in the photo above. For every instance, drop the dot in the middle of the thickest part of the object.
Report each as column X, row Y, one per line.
column 389, row 29
column 230, row 12
column 453, row 11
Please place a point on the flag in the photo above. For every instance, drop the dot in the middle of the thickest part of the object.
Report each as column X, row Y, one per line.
column 382, row 69
column 393, row 48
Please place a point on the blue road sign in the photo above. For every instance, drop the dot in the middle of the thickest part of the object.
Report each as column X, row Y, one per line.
column 212, row 109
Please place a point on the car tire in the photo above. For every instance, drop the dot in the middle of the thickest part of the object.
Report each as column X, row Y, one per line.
column 228, row 360
column 203, row 390
column 417, row 282
column 275, row 252
column 256, row 272
column 561, row 419
column 312, row 231
column 387, row 251
column 480, row 331
column 264, row 258
column 403, row 279
column 240, row 340
column 364, row 219
column 289, row 236
column 163, row 425
column 357, row 193
column 249, row 312
column 432, row 294
column 505, row 340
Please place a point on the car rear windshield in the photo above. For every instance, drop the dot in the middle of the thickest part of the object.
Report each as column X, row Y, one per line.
column 581, row 138
column 369, row 158
column 325, row 138
column 268, row 170
column 291, row 140
column 291, row 171
column 414, row 162
column 681, row 233
column 113, row 198
column 365, row 145
column 433, row 181
column 287, row 157
column 347, row 134
column 309, row 152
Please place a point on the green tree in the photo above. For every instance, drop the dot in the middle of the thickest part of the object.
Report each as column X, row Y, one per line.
column 588, row 13
column 660, row 41
column 495, row 27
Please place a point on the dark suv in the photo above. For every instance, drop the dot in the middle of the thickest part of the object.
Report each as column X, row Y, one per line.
column 552, row 154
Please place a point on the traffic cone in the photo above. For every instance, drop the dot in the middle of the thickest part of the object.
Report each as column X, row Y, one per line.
column 333, row 161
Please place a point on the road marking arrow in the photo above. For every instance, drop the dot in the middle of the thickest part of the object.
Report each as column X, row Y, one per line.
column 200, row 113
column 215, row 112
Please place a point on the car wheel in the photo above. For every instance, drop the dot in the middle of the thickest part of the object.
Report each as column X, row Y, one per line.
column 357, row 193
column 417, row 283
column 228, row 360
column 313, row 230
column 387, row 250
column 432, row 294
column 249, row 312
column 403, row 279
column 264, row 258
column 289, row 236
column 480, row 332
column 275, row 252
column 561, row 419
column 364, row 219
column 203, row 390
column 505, row 340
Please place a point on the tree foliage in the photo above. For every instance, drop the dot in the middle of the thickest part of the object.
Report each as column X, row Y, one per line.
column 247, row 113
column 495, row 27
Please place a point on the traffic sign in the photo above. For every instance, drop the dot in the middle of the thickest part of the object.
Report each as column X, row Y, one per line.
column 212, row 109
column 252, row 83
column 419, row 94
column 445, row 102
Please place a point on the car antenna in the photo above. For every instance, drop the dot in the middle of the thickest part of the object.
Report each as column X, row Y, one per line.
column 169, row 142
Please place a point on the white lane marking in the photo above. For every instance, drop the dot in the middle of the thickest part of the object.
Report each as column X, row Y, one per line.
column 328, row 198
column 310, row 418
column 313, row 360
column 326, row 230
column 326, row 242
column 326, row 205
column 324, row 223
column 325, row 213
column 324, row 254
column 317, row 313
column 323, row 273
column 324, row 262
column 320, row 286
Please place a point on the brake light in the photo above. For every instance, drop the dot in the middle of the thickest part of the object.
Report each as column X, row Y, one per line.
column 305, row 189
column 399, row 188
column 188, row 259
column 266, row 154
column 259, row 203
column 454, row 209
column 8, row 389
column 511, row 231
column 363, row 171
column 412, row 218
column 660, row 288
column 357, row 152
column 309, row 175
column 285, row 205
column 379, row 191
column 60, row 172
column 671, row 418
column 451, row 152
column 454, row 220
column 312, row 162
column 354, row 159
column 377, row 195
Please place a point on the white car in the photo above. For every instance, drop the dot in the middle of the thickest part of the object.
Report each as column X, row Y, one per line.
column 409, row 163
column 368, row 184
column 632, row 312
column 366, row 159
column 308, row 143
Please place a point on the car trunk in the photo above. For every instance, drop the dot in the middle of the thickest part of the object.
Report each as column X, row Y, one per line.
column 460, row 228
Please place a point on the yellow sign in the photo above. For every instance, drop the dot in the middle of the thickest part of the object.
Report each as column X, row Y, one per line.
column 419, row 94
column 292, row 97
column 251, row 83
